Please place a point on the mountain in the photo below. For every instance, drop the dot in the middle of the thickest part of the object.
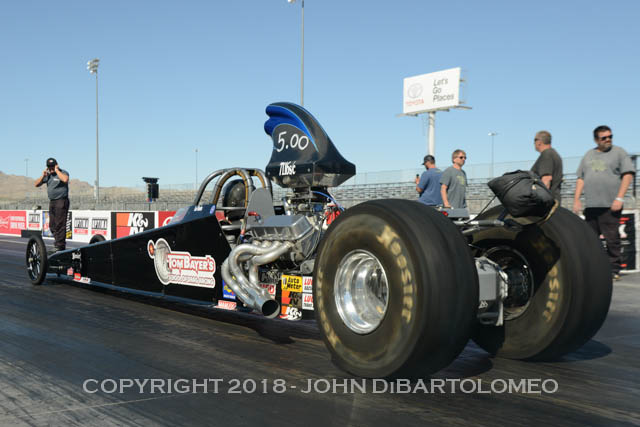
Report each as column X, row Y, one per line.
column 17, row 187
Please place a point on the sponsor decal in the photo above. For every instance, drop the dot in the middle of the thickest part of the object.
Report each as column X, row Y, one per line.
column 33, row 221
column 13, row 222
column 291, row 303
column 76, row 255
column 226, row 305
column 287, row 168
column 270, row 287
column 291, row 313
column 291, row 283
column 129, row 223
column 81, row 226
column 100, row 226
column 227, row 292
column 212, row 210
column 69, row 225
column 70, row 271
column 197, row 209
column 307, row 301
column 79, row 278
column 269, row 276
column 181, row 268
column 307, row 284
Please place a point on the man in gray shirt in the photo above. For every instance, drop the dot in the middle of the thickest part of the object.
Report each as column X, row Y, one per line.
column 453, row 182
column 57, row 181
column 549, row 164
column 605, row 174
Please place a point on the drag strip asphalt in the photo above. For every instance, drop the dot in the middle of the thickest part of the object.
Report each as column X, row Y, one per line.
column 75, row 355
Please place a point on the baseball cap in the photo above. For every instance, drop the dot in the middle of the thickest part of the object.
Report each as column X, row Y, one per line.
column 51, row 162
column 428, row 158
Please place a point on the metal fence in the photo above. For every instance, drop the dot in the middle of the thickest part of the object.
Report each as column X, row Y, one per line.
column 399, row 184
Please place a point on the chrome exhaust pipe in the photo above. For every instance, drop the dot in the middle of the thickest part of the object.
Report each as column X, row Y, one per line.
column 248, row 289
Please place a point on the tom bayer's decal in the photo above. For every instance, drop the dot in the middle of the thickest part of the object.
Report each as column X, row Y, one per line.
column 181, row 268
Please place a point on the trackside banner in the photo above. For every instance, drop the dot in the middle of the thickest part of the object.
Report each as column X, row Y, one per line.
column 83, row 225
column 34, row 220
column 46, row 231
column 127, row 223
column 13, row 222
column 87, row 224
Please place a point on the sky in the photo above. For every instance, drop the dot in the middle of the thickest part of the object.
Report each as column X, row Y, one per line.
column 179, row 76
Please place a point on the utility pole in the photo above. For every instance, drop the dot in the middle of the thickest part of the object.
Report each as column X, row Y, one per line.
column 492, row 135
column 92, row 66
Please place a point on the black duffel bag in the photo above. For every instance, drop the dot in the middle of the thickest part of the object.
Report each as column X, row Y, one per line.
column 522, row 193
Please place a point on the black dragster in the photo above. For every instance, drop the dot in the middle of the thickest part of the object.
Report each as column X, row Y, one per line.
column 397, row 288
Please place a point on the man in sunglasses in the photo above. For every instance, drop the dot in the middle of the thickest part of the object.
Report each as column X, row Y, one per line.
column 604, row 174
column 453, row 182
column 57, row 181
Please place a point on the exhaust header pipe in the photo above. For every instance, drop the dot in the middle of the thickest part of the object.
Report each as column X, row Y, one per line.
column 247, row 288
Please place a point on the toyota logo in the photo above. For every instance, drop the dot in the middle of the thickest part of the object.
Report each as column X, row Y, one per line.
column 415, row 90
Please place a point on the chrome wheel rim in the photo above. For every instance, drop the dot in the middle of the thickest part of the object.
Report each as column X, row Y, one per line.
column 520, row 280
column 34, row 262
column 361, row 291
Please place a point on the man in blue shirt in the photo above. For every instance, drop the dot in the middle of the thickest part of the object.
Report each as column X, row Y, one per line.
column 428, row 185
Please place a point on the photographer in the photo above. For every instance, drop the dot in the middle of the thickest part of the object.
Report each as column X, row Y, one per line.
column 57, row 181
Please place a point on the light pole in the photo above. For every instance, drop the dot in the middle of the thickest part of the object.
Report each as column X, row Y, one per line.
column 492, row 135
column 27, row 167
column 196, row 169
column 302, row 60
column 92, row 66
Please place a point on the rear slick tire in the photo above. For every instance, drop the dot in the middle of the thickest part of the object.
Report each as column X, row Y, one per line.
column 395, row 290
column 571, row 288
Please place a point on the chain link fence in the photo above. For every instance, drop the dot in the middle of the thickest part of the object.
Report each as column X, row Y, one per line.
column 398, row 184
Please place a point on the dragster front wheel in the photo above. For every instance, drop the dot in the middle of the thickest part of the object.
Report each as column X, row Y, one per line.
column 97, row 238
column 36, row 259
column 395, row 290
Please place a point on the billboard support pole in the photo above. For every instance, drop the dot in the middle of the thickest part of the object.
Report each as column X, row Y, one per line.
column 432, row 133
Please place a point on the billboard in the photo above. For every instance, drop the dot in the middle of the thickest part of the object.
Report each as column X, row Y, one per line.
column 13, row 222
column 431, row 92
